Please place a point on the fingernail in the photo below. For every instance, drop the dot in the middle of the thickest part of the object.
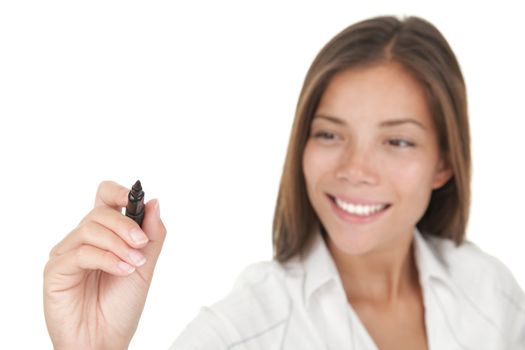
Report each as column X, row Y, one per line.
column 137, row 258
column 127, row 268
column 157, row 208
column 138, row 237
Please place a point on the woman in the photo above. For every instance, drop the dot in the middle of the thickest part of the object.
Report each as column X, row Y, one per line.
column 368, row 231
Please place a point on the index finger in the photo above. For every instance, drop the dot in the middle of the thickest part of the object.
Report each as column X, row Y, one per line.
column 111, row 194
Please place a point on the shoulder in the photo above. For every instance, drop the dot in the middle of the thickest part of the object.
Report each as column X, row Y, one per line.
column 259, row 285
column 256, row 309
column 468, row 265
column 259, row 273
column 484, row 284
column 258, row 301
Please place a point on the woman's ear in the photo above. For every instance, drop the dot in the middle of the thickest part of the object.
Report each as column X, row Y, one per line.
column 443, row 174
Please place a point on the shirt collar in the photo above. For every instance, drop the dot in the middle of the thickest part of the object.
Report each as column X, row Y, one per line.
column 320, row 269
column 428, row 261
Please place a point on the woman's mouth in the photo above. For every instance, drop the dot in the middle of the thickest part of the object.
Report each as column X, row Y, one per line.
column 355, row 212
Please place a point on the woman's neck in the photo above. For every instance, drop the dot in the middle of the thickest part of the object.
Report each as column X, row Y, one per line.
column 382, row 276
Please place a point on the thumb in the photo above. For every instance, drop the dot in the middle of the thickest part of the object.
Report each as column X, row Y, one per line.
column 154, row 228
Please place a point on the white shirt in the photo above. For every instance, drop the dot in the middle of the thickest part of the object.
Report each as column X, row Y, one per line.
column 471, row 301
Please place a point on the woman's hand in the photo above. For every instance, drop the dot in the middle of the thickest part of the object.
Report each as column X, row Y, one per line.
column 97, row 277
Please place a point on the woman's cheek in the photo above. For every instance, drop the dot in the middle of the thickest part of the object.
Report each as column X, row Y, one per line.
column 413, row 181
column 408, row 171
column 317, row 160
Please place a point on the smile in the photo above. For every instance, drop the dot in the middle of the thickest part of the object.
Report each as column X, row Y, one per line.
column 359, row 209
column 358, row 212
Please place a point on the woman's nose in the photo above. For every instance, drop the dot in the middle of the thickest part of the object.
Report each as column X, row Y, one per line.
column 357, row 166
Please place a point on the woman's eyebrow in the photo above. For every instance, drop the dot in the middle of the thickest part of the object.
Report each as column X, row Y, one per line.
column 330, row 118
column 395, row 122
column 385, row 123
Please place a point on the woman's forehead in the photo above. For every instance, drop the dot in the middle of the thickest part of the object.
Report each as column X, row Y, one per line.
column 375, row 94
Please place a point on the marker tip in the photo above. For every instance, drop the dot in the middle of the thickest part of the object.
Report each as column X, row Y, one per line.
column 137, row 186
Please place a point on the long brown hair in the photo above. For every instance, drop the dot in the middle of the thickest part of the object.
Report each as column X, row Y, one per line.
column 423, row 51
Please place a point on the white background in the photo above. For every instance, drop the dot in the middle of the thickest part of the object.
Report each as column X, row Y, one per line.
column 203, row 96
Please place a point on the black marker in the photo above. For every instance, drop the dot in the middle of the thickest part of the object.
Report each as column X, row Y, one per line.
column 135, row 207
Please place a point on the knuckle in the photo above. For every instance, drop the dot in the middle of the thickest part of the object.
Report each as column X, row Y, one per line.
column 87, row 217
column 100, row 214
column 97, row 211
column 86, row 230
column 54, row 251
column 93, row 214
column 81, row 254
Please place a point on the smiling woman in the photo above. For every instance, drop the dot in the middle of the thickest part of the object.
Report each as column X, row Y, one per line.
column 369, row 227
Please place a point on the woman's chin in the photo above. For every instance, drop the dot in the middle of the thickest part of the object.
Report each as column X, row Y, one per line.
column 353, row 243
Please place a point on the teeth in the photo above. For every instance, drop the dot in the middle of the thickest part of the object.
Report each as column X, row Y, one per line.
column 358, row 209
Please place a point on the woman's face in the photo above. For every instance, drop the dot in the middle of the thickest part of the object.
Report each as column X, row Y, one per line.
column 372, row 158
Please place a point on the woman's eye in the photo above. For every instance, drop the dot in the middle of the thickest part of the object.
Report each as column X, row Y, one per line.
column 324, row 135
column 401, row 143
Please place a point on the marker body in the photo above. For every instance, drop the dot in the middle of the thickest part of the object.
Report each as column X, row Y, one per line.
column 135, row 206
